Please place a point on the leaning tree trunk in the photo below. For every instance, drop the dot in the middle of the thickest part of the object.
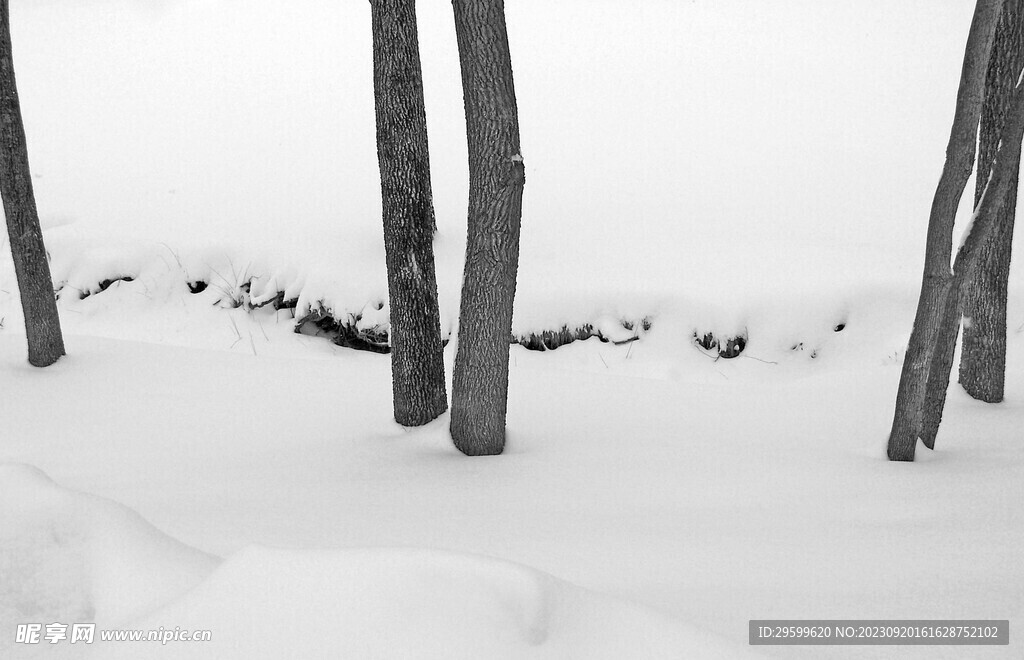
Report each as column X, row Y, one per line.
column 995, row 196
column 937, row 282
column 938, row 370
column 984, row 224
column 417, row 366
column 496, row 179
column 983, row 359
column 982, row 298
column 42, row 325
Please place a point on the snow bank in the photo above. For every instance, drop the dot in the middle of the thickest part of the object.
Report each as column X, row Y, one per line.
column 73, row 558
column 148, row 298
column 70, row 557
column 265, row 603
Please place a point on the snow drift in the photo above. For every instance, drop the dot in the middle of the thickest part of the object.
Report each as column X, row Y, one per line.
column 73, row 558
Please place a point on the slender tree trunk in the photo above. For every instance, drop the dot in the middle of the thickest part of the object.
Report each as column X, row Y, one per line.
column 939, row 370
column 417, row 367
column 938, row 277
column 42, row 325
column 496, row 179
column 983, row 359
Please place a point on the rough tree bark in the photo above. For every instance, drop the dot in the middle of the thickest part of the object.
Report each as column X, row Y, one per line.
column 496, row 180
column 995, row 196
column 982, row 298
column 937, row 282
column 417, row 367
column 969, row 257
column 940, row 367
column 983, row 359
column 985, row 223
column 42, row 325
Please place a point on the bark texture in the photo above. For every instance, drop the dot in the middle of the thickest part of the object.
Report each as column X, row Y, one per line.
column 42, row 325
column 937, row 282
column 969, row 257
column 417, row 367
column 983, row 359
column 940, row 368
column 496, row 180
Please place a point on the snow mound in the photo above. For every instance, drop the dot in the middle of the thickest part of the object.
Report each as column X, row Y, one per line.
column 410, row 603
column 70, row 557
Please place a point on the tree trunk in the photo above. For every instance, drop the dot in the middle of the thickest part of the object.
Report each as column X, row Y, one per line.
column 937, row 282
column 496, row 179
column 939, row 370
column 417, row 366
column 983, row 359
column 42, row 325
column 994, row 197
column 984, row 225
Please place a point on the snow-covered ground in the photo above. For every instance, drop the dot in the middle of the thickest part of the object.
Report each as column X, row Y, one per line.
column 735, row 168
column 710, row 492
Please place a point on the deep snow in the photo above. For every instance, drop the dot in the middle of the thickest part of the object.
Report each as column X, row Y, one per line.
column 711, row 491
column 714, row 167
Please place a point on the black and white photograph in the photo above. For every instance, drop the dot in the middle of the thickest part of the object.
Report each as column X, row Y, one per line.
column 511, row 330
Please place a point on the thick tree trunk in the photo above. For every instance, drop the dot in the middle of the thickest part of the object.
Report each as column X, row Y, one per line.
column 983, row 359
column 417, row 367
column 42, row 325
column 496, row 179
column 937, row 282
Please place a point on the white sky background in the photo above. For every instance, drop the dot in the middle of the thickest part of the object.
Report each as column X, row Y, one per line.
column 653, row 130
